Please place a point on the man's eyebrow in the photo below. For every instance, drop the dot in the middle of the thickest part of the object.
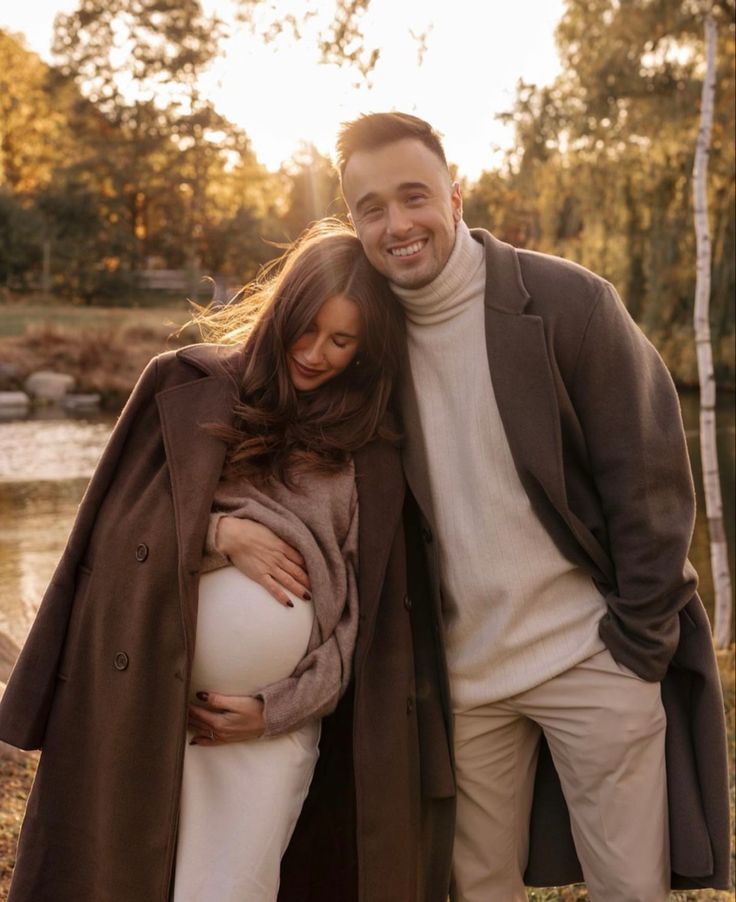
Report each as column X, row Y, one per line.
column 404, row 186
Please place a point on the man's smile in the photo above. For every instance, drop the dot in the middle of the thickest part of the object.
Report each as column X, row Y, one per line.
column 408, row 250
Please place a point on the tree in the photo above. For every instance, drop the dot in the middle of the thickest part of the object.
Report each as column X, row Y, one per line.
column 138, row 62
column 34, row 136
column 601, row 168
column 311, row 189
column 340, row 37
column 709, row 452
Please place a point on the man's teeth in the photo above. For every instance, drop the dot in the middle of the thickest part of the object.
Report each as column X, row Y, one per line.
column 406, row 251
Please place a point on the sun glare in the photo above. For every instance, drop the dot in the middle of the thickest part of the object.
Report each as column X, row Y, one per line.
column 456, row 64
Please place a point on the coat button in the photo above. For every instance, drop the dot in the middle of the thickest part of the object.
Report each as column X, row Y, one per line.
column 407, row 602
column 409, row 705
column 141, row 552
column 427, row 534
column 120, row 661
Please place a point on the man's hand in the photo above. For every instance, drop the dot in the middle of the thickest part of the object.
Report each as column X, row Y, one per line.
column 264, row 557
column 217, row 719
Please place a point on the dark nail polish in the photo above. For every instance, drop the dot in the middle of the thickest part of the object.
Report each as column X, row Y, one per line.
column 290, row 603
column 192, row 742
column 307, row 596
column 203, row 696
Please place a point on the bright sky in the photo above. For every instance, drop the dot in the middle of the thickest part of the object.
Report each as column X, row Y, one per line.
column 279, row 94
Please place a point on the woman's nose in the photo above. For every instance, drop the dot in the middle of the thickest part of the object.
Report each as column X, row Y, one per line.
column 314, row 350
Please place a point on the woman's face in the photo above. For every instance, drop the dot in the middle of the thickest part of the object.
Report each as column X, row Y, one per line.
column 328, row 345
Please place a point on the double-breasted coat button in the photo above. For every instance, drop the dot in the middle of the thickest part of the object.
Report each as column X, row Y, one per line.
column 141, row 552
column 427, row 534
column 407, row 602
column 120, row 661
column 409, row 705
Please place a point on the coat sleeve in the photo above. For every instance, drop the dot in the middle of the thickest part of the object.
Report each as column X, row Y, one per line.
column 322, row 676
column 630, row 414
column 27, row 700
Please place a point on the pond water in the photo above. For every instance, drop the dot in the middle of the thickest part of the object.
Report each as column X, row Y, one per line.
column 45, row 465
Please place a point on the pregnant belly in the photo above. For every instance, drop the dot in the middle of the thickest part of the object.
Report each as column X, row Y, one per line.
column 245, row 638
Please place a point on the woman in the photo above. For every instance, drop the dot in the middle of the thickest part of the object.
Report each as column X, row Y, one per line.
column 140, row 611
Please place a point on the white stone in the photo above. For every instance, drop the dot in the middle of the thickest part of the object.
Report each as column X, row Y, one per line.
column 14, row 400
column 77, row 402
column 48, row 386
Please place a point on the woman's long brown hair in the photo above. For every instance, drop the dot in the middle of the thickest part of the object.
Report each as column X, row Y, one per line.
column 275, row 426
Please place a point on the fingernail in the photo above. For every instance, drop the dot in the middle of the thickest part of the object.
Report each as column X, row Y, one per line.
column 203, row 696
column 307, row 596
column 192, row 742
column 290, row 604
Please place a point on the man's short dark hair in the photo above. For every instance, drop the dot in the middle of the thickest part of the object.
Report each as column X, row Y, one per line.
column 373, row 130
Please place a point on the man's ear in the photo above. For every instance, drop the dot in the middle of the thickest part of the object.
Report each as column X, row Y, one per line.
column 456, row 200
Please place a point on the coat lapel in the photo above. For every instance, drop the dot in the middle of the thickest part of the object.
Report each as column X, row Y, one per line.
column 524, row 391
column 195, row 459
column 414, row 451
column 521, row 374
column 524, row 387
column 380, row 484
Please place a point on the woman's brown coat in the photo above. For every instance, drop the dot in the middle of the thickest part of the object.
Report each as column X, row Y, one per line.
column 101, row 685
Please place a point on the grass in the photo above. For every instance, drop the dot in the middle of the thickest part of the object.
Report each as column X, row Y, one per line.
column 16, row 778
column 16, row 317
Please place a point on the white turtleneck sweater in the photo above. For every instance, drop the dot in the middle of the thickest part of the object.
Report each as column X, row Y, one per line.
column 517, row 612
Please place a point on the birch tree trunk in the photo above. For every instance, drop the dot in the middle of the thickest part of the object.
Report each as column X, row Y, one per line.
column 711, row 479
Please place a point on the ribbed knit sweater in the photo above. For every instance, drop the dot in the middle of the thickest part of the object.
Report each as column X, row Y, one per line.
column 317, row 515
column 517, row 612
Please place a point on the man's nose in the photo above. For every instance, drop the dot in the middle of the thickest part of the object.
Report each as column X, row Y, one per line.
column 399, row 220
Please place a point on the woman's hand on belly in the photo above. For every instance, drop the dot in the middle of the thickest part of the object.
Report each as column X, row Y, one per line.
column 264, row 557
column 217, row 719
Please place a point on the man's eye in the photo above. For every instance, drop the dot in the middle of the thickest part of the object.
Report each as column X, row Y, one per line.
column 415, row 198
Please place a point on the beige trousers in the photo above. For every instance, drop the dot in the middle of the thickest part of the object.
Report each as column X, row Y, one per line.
column 605, row 728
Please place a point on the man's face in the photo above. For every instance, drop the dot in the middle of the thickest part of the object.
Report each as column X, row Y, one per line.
column 404, row 209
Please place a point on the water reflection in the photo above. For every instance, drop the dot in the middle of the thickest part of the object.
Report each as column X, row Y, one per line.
column 45, row 465
column 35, row 519
column 44, row 468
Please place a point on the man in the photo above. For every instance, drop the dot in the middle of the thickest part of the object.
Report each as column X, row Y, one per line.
column 545, row 449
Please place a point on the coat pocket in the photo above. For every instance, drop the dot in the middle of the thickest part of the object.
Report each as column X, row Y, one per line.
column 74, row 633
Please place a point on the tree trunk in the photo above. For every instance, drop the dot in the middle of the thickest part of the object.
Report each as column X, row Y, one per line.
column 711, row 479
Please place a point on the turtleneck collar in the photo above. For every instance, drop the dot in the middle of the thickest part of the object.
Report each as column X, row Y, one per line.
column 454, row 289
